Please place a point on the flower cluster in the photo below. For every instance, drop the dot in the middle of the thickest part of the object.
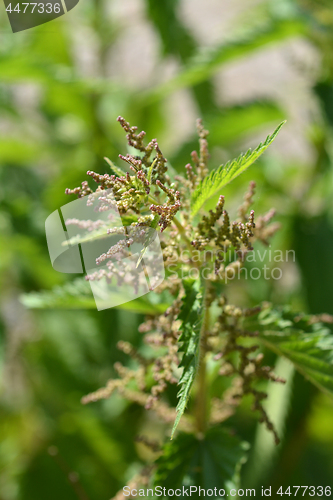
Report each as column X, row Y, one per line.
column 150, row 197
column 247, row 369
column 133, row 193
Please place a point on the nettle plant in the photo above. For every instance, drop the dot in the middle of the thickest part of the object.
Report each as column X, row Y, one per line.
column 200, row 335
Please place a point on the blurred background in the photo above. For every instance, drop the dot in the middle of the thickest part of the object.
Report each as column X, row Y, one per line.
column 241, row 65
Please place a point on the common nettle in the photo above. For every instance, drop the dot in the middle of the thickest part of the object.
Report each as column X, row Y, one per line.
column 197, row 335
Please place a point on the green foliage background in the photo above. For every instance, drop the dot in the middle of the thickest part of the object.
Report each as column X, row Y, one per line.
column 59, row 99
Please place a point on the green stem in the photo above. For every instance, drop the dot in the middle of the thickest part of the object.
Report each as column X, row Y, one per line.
column 182, row 233
column 152, row 200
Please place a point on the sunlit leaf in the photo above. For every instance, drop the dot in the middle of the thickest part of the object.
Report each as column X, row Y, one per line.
column 224, row 174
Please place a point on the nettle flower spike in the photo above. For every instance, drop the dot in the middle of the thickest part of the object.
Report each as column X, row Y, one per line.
column 190, row 321
column 212, row 248
column 133, row 193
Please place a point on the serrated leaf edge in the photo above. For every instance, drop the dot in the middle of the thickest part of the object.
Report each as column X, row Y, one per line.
column 224, row 174
column 188, row 376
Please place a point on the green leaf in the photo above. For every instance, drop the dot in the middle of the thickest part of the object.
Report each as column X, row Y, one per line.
column 89, row 236
column 116, row 170
column 309, row 346
column 191, row 315
column 150, row 170
column 232, row 124
column 224, row 174
column 101, row 232
column 78, row 295
column 211, row 462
